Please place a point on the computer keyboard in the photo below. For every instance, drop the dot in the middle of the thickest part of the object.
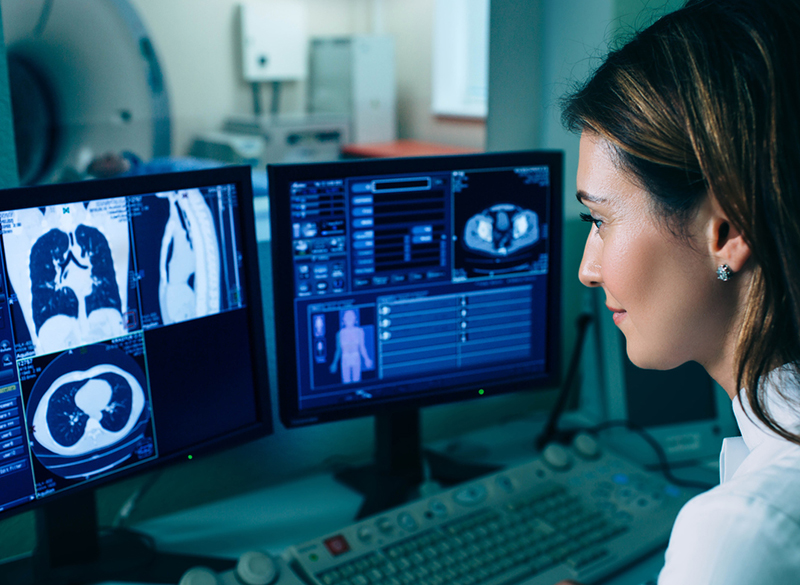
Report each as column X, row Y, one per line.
column 574, row 513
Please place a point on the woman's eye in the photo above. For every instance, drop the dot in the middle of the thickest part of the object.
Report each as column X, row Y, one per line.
column 588, row 218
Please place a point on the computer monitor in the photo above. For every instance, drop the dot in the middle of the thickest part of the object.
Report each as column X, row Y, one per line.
column 401, row 283
column 131, row 336
column 683, row 409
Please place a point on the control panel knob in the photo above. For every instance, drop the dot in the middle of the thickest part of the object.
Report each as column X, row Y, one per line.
column 586, row 446
column 385, row 526
column 199, row 576
column 365, row 534
column 471, row 495
column 557, row 457
column 256, row 568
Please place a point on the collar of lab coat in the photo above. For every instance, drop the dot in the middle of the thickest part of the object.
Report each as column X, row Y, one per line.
column 758, row 445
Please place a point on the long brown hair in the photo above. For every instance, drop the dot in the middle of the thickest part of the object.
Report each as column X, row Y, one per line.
column 706, row 100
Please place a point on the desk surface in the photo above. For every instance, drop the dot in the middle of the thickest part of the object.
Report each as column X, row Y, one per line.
column 274, row 518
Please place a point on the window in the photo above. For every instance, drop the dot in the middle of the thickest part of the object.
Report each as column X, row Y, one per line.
column 460, row 57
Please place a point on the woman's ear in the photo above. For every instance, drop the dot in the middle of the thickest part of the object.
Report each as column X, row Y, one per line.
column 725, row 243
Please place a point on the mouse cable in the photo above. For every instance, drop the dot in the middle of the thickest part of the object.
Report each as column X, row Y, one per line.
column 551, row 431
column 130, row 504
column 663, row 463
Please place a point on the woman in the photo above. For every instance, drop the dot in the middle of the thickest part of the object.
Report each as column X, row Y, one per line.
column 690, row 172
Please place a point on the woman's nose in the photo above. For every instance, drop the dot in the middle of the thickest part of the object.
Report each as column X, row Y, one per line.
column 589, row 272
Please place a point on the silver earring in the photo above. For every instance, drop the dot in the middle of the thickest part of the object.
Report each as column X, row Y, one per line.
column 724, row 272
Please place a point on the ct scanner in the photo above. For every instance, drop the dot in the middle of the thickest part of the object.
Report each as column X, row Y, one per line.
column 84, row 81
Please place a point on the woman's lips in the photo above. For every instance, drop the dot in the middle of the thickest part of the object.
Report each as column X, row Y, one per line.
column 618, row 315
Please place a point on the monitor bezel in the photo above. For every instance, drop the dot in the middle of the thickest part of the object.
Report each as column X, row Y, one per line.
column 59, row 193
column 280, row 178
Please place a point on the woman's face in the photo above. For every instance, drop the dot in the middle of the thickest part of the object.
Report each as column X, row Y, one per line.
column 661, row 290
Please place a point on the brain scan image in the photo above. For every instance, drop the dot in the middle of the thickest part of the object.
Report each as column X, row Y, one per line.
column 86, row 421
column 68, row 265
column 501, row 230
column 189, row 266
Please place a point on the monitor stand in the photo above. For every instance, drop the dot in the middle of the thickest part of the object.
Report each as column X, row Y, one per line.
column 72, row 549
column 397, row 472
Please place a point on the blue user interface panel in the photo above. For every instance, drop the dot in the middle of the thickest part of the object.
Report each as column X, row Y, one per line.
column 417, row 284
column 109, row 309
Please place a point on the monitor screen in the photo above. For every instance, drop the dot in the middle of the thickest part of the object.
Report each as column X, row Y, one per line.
column 131, row 330
column 406, row 282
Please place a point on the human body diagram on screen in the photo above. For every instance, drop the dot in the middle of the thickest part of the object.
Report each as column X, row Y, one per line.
column 350, row 348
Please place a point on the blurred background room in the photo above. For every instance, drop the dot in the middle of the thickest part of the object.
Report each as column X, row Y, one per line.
column 99, row 88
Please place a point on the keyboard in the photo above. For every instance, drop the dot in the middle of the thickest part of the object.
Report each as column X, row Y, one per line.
column 577, row 512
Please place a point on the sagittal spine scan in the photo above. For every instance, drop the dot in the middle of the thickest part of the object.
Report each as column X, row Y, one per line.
column 68, row 265
column 189, row 264
column 501, row 230
column 88, row 421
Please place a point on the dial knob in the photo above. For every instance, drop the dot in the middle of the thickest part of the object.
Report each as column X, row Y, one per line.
column 199, row 576
column 586, row 446
column 557, row 457
column 256, row 568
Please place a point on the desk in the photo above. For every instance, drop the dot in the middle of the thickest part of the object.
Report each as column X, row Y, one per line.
column 276, row 517
column 402, row 148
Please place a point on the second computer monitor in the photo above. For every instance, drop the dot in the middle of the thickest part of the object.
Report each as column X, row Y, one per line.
column 406, row 282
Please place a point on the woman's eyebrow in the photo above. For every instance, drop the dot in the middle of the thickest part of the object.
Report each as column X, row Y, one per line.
column 583, row 196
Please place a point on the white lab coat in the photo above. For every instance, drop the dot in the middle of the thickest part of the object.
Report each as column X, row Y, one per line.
column 746, row 531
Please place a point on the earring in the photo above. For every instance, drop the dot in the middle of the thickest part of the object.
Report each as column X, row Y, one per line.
column 724, row 272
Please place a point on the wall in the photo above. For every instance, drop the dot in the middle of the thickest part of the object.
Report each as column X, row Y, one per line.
column 410, row 22
column 197, row 44
column 8, row 157
column 633, row 15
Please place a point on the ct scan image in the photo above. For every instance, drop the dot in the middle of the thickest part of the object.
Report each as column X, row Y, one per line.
column 498, row 225
column 178, row 256
column 501, row 231
column 68, row 267
column 88, row 411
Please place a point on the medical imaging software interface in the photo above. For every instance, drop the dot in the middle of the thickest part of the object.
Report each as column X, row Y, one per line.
column 413, row 282
column 89, row 293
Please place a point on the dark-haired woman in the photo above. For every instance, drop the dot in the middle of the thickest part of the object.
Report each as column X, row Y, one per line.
column 690, row 173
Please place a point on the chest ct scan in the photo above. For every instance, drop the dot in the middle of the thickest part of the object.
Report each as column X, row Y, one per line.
column 68, row 265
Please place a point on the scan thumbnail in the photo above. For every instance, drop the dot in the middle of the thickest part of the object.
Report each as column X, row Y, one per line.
column 498, row 221
column 88, row 411
column 68, row 267
column 179, row 258
column 343, row 343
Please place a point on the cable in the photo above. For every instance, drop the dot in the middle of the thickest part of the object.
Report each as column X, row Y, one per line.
column 256, row 87
column 44, row 17
column 550, row 430
column 663, row 463
column 129, row 506
column 276, row 98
